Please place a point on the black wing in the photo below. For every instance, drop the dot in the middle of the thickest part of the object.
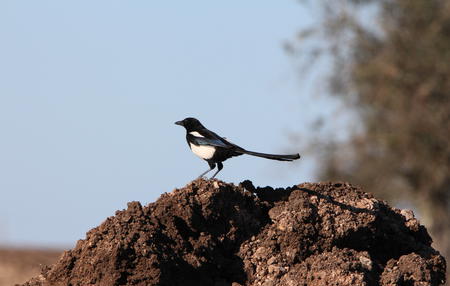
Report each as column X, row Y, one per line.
column 210, row 138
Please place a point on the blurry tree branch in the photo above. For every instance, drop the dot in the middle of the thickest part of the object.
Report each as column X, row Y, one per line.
column 391, row 63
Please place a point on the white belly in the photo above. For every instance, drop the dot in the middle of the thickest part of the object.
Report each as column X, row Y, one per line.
column 204, row 152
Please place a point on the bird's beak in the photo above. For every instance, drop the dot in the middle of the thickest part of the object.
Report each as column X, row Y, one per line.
column 179, row 123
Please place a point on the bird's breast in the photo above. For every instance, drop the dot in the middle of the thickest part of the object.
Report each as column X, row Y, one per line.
column 204, row 152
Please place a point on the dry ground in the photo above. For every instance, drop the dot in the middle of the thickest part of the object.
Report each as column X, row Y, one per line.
column 215, row 233
column 19, row 265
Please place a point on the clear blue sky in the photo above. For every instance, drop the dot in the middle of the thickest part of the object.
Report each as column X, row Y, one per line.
column 89, row 92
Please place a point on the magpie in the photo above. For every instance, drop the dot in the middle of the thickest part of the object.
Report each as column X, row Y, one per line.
column 215, row 149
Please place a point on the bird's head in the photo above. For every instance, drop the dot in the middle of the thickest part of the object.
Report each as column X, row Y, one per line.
column 190, row 123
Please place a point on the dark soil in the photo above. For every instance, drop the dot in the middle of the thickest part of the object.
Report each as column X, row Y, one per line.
column 213, row 233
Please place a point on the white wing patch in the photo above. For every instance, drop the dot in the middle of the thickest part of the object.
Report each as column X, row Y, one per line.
column 204, row 152
column 196, row 134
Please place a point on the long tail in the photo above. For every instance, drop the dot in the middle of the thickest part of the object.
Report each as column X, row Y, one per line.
column 290, row 157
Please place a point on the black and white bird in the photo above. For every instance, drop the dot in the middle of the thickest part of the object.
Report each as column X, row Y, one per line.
column 215, row 149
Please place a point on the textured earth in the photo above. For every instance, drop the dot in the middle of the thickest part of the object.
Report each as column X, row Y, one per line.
column 214, row 233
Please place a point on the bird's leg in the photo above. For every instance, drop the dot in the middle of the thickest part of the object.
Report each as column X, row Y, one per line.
column 204, row 173
column 219, row 167
column 211, row 167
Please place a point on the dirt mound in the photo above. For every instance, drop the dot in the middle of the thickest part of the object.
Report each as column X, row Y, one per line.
column 213, row 233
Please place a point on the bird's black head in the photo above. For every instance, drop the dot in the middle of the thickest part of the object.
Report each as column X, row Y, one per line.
column 191, row 124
